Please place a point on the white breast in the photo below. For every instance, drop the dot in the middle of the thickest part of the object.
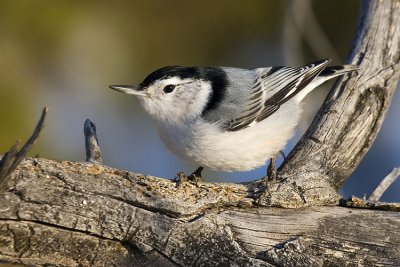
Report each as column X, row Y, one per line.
column 205, row 145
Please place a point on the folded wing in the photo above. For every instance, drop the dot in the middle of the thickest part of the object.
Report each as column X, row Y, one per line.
column 273, row 87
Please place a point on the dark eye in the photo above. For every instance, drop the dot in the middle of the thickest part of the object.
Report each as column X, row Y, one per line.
column 169, row 88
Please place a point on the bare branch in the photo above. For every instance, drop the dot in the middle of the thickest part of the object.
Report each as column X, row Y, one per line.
column 13, row 157
column 384, row 185
column 93, row 152
column 72, row 213
column 7, row 161
column 350, row 118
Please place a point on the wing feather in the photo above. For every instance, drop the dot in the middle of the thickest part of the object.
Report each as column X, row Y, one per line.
column 272, row 88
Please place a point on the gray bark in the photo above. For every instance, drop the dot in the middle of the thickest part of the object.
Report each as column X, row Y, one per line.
column 350, row 117
column 85, row 214
column 93, row 153
column 82, row 214
column 384, row 185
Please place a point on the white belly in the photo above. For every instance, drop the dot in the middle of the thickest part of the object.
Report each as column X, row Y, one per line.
column 240, row 150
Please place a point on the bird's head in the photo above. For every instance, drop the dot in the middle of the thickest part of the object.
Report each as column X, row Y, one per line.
column 178, row 94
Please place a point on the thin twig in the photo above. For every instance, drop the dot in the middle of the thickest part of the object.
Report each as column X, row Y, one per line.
column 384, row 185
column 7, row 161
column 13, row 157
column 93, row 152
column 31, row 141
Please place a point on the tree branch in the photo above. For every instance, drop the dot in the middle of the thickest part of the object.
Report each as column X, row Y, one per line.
column 13, row 157
column 93, row 152
column 349, row 119
column 384, row 185
column 67, row 213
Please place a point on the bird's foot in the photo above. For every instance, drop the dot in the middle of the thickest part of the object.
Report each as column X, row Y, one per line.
column 195, row 177
column 264, row 182
column 271, row 176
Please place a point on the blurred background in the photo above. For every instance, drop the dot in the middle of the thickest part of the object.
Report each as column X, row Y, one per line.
column 63, row 54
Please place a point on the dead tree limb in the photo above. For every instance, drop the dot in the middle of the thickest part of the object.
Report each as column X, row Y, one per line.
column 384, row 185
column 83, row 214
column 350, row 118
column 93, row 152
column 13, row 157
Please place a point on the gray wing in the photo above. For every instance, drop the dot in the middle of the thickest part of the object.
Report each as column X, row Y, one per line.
column 273, row 87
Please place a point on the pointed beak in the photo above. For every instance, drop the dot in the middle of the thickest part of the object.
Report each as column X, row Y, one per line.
column 129, row 89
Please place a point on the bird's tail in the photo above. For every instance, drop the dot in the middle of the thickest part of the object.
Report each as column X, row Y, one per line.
column 326, row 74
column 331, row 72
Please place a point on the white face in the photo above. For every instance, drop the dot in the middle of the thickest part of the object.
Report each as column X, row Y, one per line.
column 175, row 100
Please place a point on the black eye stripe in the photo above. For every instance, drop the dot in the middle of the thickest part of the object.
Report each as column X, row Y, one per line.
column 169, row 88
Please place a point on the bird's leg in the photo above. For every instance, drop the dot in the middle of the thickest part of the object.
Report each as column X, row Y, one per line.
column 271, row 175
column 271, row 170
column 195, row 177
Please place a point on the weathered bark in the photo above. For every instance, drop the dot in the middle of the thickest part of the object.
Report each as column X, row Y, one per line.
column 384, row 185
column 350, row 117
column 85, row 214
column 93, row 153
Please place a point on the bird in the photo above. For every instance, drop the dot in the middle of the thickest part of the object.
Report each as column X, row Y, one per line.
column 226, row 118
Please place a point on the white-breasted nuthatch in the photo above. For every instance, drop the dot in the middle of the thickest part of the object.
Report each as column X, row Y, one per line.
column 225, row 118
